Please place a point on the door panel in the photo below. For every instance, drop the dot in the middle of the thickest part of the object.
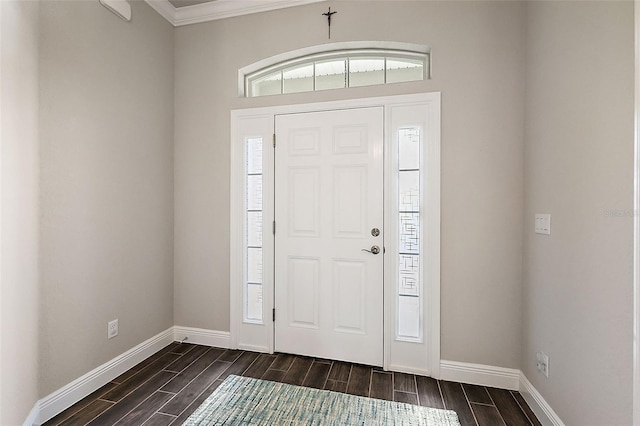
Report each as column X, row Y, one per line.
column 349, row 284
column 350, row 201
column 328, row 186
column 303, row 202
column 302, row 291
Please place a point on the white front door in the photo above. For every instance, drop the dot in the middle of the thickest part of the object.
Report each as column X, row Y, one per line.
column 328, row 206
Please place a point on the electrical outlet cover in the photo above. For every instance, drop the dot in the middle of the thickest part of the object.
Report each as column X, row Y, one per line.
column 545, row 364
column 112, row 329
column 542, row 363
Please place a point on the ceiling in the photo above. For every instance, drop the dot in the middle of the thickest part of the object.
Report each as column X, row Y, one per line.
column 185, row 12
column 184, row 3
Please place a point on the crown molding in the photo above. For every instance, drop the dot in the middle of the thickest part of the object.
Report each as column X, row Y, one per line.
column 218, row 9
column 164, row 8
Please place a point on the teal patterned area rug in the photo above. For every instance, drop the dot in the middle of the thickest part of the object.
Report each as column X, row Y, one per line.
column 246, row 401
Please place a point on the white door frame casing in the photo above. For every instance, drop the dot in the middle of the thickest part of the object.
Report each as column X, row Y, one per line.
column 636, row 222
column 259, row 122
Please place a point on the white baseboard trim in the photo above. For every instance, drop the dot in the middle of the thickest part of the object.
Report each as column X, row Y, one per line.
column 504, row 378
column 68, row 395
column 32, row 418
column 201, row 336
column 479, row 374
column 537, row 403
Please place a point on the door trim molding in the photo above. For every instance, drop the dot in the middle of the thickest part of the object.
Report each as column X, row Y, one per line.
column 244, row 334
column 636, row 221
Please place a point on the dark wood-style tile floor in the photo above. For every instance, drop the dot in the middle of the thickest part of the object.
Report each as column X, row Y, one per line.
column 168, row 386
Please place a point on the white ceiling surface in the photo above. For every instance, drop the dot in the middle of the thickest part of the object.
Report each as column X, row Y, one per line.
column 184, row 3
column 184, row 12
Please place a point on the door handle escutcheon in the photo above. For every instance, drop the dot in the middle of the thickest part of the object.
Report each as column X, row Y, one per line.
column 374, row 250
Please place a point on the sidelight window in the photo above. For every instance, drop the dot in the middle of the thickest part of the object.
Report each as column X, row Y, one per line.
column 409, row 302
column 253, row 231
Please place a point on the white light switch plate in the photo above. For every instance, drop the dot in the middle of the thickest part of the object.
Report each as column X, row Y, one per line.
column 543, row 224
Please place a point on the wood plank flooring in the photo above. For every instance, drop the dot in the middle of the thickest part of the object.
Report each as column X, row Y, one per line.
column 167, row 387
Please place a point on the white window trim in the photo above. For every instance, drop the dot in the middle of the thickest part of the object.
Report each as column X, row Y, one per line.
column 294, row 56
column 636, row 224
column 409, row 357
column 246, row 334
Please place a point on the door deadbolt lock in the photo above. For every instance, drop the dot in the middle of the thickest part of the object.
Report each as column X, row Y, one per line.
column 374, row 250
column 375, row 232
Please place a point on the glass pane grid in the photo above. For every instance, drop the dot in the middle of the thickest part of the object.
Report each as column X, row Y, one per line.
column 254, row 192
column 409, row 233
column 403, row 69
column 366, row 71
column 408, row 317
column 409, row 239
column 409, row 271
column 298, row 79
column 330, row 75
column 409, row 191
column 337, row 70
column 253, row 305
column 254, row 156
column 253, row 231
column 270, row 84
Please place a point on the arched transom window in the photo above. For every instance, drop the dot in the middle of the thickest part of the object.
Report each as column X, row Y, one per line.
column 336, row 68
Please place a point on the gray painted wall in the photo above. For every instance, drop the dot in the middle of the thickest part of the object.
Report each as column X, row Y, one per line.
column 19, row 210
column 556, row 138
column 577, row 293
column 106, row 126
column 478, row 65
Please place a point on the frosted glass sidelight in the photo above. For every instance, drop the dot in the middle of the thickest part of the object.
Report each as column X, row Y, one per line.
column 409, row 149
column 408, row 317
column 409, row 268
column 254, row 265
column 254, row 302
column 409, row 290
column 254, row 156
column 254, row 192
column 254, row 229
column 409, row 191
column 410, row 233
